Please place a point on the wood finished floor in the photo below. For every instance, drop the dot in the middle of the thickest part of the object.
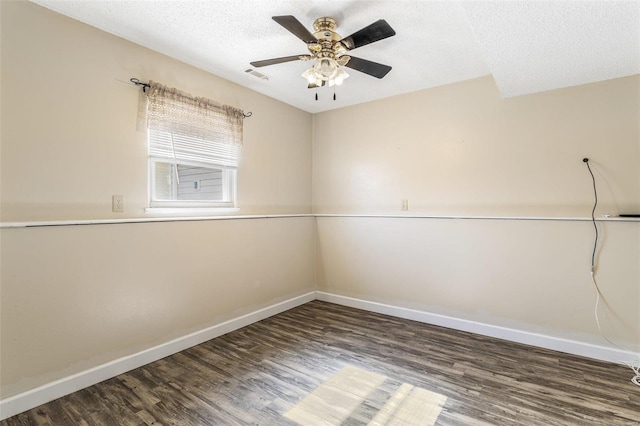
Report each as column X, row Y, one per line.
column 256, row 374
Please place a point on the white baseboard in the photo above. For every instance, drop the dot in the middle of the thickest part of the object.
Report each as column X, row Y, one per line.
column 589, row 350
column 56, row 389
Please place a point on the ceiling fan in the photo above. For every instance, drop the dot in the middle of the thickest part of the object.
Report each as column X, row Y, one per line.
column 330, row 50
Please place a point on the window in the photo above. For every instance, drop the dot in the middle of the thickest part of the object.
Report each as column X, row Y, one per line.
column 194, row 146
column 190, row 172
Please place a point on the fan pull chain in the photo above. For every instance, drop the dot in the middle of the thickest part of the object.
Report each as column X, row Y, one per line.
column 334, row 93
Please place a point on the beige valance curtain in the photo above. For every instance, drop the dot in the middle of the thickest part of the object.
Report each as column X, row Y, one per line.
column 170, row 110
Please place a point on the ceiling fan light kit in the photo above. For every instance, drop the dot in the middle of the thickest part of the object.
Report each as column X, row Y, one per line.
column 325, row 70
column 329, row 50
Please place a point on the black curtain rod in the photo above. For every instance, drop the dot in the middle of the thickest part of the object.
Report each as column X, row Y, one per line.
column 145, row 85
column 140, row 83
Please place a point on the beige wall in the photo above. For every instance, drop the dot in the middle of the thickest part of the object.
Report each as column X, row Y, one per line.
column 69, row 138
column 460, row 150
column 79, row 296
column 531, row 276
column 75, row 297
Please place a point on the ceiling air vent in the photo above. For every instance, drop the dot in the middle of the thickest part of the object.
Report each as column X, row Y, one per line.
column 256, row 74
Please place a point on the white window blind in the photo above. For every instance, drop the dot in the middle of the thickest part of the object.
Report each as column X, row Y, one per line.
column 189, row 150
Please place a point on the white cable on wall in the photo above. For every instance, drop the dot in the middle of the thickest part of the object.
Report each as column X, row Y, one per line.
column 634, row 365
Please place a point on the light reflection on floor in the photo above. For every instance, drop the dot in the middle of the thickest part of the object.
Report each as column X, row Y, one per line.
column 338, row 397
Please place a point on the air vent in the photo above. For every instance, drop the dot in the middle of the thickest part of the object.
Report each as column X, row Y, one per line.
column 256, row 74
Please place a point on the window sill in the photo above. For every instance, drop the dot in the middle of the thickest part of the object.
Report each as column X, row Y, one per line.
column 186, row 211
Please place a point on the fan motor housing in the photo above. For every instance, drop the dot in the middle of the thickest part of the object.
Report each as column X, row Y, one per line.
column 328, row 40
column 325, row 30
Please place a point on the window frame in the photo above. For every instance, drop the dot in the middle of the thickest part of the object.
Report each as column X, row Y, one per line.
column 229, row 178
column 229, row 185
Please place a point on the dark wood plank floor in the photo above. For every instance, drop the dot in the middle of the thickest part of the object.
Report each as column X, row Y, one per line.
column 256, row 374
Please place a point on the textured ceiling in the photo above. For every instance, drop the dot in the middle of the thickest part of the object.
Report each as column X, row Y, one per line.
column 528, row 46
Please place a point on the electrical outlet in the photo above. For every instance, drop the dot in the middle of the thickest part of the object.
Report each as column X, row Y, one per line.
column 404, row 205
column 117, row 203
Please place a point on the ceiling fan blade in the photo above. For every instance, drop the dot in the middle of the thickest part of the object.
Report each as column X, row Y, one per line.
column 368, row 67
column 295, row 27
column 274, row 61
column 377, row 31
